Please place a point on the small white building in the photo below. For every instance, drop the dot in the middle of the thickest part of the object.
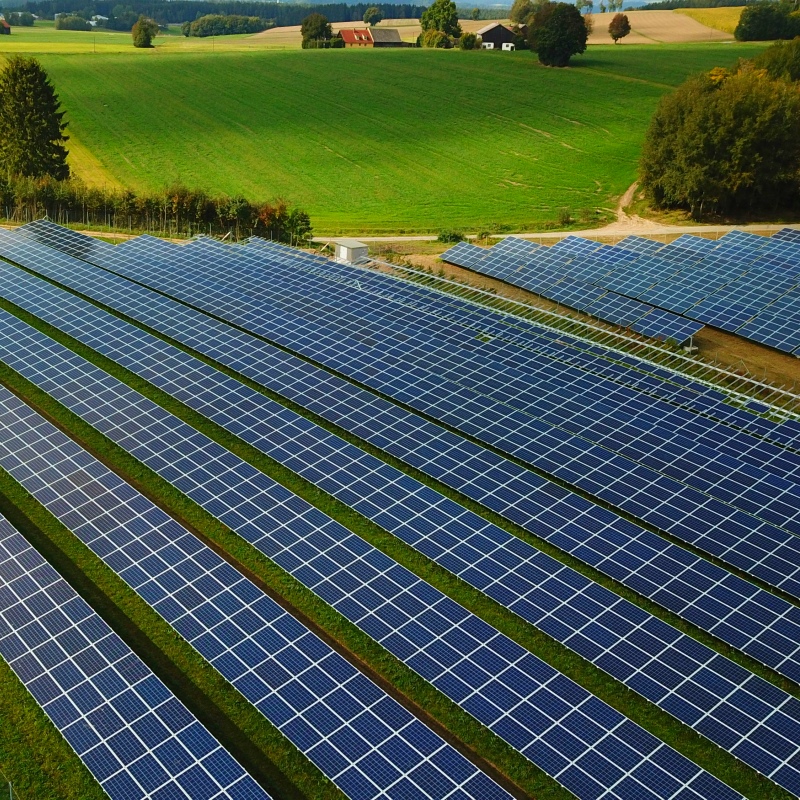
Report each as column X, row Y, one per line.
column 350, row 249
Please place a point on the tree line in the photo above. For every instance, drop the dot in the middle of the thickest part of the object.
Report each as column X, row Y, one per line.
column 727, row 142
column 225, row 24
column 179, row 11
column 176, row 210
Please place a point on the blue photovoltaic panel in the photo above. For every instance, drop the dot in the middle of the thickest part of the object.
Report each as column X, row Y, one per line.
column 131, row 732
column 639, row 244
column 595, row 535
column 367, row 743
column 618, row 309
column 575, row 294
column 788, row 235
column 307, row 555
column 665, row 326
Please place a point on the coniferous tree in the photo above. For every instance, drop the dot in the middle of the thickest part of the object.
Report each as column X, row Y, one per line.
column 31, row 122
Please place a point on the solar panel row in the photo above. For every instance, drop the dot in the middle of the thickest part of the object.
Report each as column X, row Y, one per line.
column 366, row 742
column 330, row 561
column 555, row 281
column 731, row 283
column 136, row 738
column 737, row 537
column 737, row 612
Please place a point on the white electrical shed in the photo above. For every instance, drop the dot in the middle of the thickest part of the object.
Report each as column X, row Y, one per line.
column 350, row 249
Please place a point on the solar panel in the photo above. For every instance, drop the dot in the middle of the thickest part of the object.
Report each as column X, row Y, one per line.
column 135, row 737
column 363, row 740
column 364, row 585
column 620, row 310
column 460, row 464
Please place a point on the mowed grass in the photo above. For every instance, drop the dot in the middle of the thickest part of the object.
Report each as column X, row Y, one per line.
column 723, row 19
column 380, row 141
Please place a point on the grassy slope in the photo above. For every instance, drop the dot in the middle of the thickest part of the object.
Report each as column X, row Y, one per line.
column 384, row 140
column 723, row 19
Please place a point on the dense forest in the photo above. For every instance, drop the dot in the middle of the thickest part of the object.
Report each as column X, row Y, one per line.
column 178, row 11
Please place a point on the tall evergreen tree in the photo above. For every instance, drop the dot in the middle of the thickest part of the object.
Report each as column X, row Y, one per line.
column 31, row 122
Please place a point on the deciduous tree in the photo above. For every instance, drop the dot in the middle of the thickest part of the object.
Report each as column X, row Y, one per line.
column 556, row 32
column 520, row 11
column 475, row 14
column 315, row 27
column 442, row 16
column 619, row 27
column 144, row 31
column 372, row 16
column 31, row 122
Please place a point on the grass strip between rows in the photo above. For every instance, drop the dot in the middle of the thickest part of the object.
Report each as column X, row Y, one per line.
column 488, row 746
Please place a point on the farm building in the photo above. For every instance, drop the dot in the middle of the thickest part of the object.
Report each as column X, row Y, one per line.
column 371, row 37
column 496, row 37
column 5, row 28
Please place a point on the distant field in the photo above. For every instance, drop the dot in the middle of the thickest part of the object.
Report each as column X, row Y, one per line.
column 376, row 141
column 724, row 19
column 656, row 27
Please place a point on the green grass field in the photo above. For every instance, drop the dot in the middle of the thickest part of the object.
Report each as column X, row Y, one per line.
column 371, row 141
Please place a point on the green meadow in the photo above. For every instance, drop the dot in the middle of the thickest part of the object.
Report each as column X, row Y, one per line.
column 365, row 141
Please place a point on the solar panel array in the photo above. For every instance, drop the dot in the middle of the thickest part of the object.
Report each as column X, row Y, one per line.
column 131, row 732
column 742, row 283
column 555, row 281
column 673, row 577
column 366, row 742
column 391, row 343
column 486, row 673
column 458, row 389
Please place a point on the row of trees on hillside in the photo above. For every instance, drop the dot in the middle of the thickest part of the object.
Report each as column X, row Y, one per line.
column 767, row 21
column 728, row 142
column 225, row 24
column 179, row 11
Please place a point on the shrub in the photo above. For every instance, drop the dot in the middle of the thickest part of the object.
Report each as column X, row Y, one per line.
column 450, row 237
column 469, row 41
column 435, row 39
